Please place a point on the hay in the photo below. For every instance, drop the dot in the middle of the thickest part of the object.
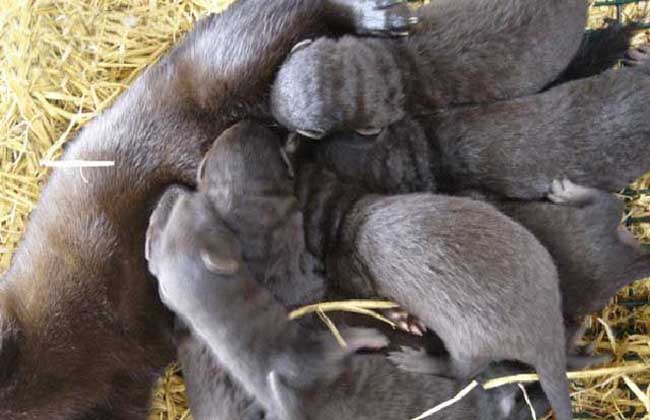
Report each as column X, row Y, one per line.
column 363, row 307
column 63, row 61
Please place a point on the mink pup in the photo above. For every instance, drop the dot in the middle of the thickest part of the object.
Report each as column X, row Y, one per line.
column 594, row 254
column 593, row 131
column 349, row 230
column 295, row 373
column 462, row 51
column 83, row 334
column 247, row 180
column 203, row 279
column 452, row 262
column 367, row 382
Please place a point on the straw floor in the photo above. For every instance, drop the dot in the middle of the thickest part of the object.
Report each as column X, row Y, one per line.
column 63, row 61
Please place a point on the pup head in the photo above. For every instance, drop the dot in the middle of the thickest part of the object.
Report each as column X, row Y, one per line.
column 244, row 160
column 190, row 250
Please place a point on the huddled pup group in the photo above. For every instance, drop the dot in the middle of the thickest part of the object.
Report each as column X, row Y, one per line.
column 465, row 158
column 436, row 230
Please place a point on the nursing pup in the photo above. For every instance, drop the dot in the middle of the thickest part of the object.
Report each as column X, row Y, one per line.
column 83, row 332
column 371, row 387
column 594, row 255
column 293, row 372
column 212, row 392
column 203, row 279
column 434, row 262
column 593, row 131
column 468, row 51
column 246, row 179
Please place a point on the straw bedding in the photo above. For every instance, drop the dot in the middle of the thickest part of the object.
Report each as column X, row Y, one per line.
column 63, row 61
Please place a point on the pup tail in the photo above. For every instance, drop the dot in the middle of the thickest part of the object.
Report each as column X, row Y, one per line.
column 552, row 377
column 601, row 49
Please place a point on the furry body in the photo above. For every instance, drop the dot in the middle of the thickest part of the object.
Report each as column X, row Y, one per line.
column 253, row 199
column 468, row 51
column 84, row 334
column 456, row 255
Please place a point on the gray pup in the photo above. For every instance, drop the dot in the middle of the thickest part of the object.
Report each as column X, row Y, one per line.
column 593, row 131
column 463, row 51
column 594, row 261
column 371, row 387
column 211, row 390
column 203, row 279
column 247, row 180
column 460, row 264
column 594, row 255
column 294, row 373
column 83, row 334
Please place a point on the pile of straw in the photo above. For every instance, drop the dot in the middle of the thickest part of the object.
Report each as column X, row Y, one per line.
column 63, row 61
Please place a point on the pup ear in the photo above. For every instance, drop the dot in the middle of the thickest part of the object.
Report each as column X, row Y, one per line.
column 218, row 263
column 219, row 248
column 10, row 338
column 200, row 172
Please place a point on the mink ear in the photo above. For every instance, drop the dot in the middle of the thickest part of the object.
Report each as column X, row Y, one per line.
column 219, row 249
column 200, row 172
column 10, row 338
column 219, row 264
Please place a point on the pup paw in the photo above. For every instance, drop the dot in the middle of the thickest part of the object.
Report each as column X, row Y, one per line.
column 418, row 361
column 566, row 192
column 381, row 17
column 405, row 321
